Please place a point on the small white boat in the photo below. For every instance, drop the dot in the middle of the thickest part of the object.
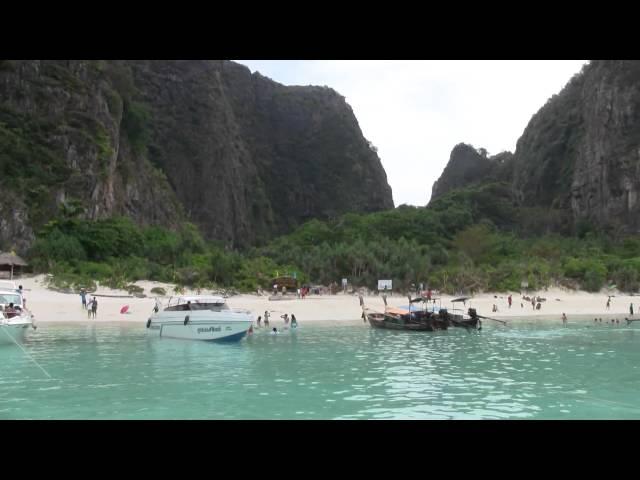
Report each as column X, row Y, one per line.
column 199, row 317
column 13, row 324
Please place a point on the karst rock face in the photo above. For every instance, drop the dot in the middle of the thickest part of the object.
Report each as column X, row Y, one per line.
column 580, row 152
column 466, row 166
column 163, row 142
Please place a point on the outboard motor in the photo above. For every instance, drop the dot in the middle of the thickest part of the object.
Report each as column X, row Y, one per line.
column 474, row 316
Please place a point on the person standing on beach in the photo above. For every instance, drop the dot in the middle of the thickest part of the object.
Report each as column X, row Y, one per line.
column 533, row 302
column 94, row 307
column 83, row 297
column 266, row 318
column 608, row 303
column 631, row 309
column 510, row 301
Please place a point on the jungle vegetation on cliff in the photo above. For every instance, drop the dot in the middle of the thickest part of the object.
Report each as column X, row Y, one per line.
column 468, row 240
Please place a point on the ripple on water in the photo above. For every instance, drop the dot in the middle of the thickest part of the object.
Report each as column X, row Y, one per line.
column 108, row 371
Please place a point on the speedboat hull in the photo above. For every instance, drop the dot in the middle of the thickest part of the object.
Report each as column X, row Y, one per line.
column 200, row 325
column 13, row 332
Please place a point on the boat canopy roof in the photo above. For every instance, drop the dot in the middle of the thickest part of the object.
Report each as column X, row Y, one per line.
column 424, row 299
column 461, row 299
column 200, row 299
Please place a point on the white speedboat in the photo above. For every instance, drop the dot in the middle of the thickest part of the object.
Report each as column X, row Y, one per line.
column 199, row 317
column 13, row 324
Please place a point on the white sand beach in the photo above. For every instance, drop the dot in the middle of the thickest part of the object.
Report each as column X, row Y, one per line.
column 52, row 306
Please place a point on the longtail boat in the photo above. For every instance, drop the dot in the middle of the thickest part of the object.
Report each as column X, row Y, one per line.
column 415, row 319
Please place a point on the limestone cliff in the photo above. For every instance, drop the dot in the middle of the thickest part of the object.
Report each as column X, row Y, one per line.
column 241, row 156
column 580, row 153
column 468, row 166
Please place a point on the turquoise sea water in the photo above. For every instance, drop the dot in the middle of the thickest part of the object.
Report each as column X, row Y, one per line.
column 326, row 371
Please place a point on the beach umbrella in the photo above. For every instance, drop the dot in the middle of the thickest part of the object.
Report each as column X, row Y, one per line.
column 124, row 309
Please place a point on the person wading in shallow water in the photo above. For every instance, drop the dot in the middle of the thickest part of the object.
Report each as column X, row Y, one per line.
column 564, row 319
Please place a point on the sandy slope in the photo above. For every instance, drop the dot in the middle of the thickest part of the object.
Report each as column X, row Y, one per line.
column 50, row 306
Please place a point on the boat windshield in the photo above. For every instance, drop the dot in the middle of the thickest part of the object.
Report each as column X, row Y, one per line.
column 197, row 306
column 7, row 298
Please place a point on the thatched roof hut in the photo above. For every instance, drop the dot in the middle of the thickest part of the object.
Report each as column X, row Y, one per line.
column 9, row 260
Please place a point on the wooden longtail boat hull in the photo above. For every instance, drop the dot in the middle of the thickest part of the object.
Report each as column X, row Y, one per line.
column 420, row 321
column 380, row 320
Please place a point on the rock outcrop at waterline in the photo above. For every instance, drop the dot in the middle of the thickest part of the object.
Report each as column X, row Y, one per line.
column 238, row 154
column 579, row 154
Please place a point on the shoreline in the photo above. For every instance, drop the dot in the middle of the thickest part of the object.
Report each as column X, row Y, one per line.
column 49, row 306
column 523, row 320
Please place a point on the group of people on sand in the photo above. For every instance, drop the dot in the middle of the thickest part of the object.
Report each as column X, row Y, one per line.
column 89, row 304
column 287, row 320
column 536, row 302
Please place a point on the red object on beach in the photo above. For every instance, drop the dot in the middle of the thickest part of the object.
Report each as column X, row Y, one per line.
column 124, row 309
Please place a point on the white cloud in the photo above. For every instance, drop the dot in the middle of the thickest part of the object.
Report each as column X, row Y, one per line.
column 415, row 112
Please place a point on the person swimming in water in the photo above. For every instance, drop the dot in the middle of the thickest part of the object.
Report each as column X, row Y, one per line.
column 274, row 331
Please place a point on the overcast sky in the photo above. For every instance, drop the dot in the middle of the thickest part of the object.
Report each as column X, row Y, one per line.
column 416, row 111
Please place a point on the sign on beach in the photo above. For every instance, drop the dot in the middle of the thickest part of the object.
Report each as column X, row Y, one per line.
column 385, row 284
